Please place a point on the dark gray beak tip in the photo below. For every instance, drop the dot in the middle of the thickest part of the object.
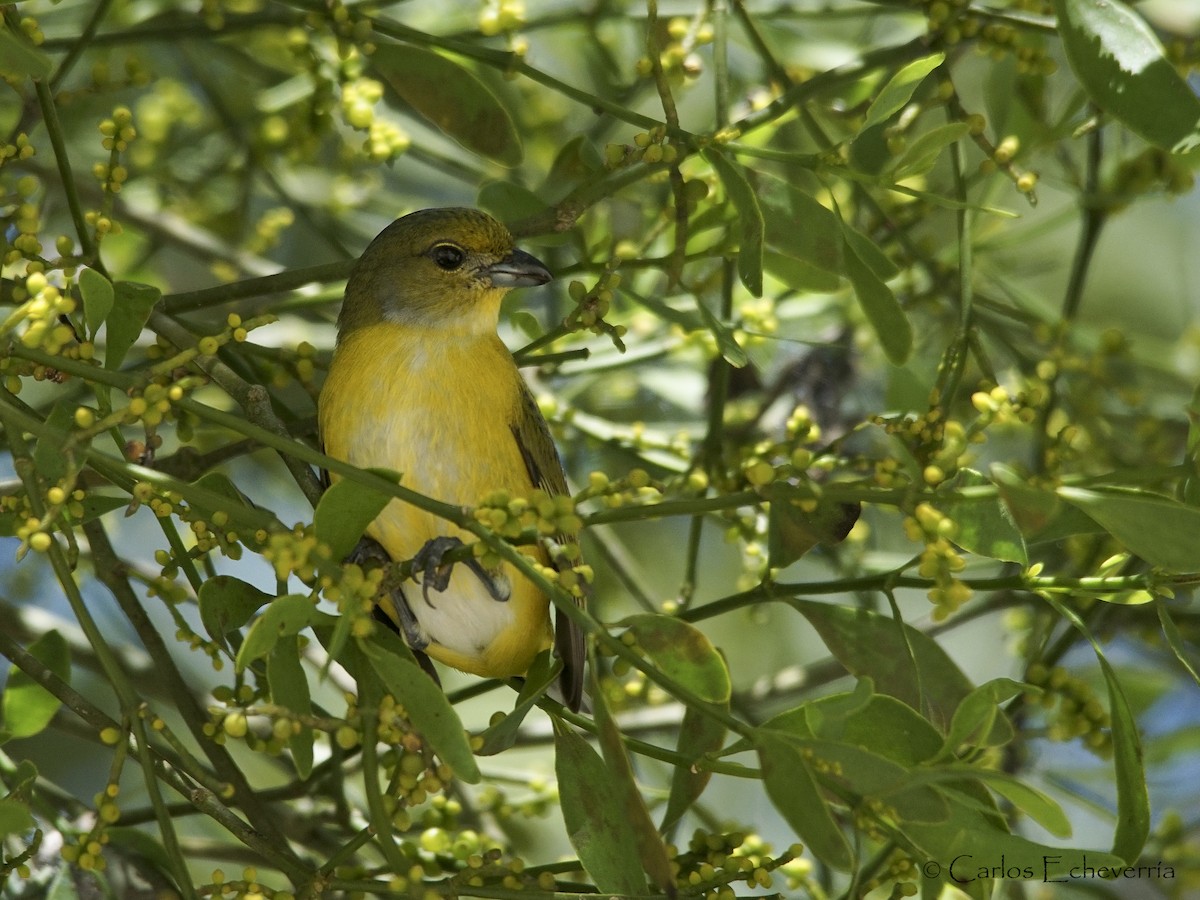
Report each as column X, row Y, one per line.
column 519, row 269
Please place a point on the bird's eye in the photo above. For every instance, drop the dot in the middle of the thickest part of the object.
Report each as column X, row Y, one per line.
column 448, row 256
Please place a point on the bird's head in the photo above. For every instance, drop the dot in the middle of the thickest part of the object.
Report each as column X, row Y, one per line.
column 440, row 269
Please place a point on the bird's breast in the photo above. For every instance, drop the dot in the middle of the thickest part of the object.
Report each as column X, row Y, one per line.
column 438, row 410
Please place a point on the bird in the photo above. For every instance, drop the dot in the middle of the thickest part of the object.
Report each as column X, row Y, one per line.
column 421, row 384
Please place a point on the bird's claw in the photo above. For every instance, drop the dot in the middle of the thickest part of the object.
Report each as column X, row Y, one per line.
column 370, row 554
column 429, row 561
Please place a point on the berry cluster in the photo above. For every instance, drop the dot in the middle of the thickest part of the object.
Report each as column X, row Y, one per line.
column 1073, row 709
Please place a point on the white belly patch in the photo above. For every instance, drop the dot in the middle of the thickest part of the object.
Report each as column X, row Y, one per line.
column 464, row 618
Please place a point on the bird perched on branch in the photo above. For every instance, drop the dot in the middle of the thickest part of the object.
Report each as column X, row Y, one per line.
column 421, row 384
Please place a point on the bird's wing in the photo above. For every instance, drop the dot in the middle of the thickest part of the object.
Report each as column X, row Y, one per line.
column 532, row 435
column 537, row 447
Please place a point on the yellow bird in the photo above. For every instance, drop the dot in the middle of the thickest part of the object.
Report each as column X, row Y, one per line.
column 420, row 383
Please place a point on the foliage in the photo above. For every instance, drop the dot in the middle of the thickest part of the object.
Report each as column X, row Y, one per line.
column 890, row 499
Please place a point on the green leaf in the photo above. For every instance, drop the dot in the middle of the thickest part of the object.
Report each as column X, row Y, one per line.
column 1160, row 531
column 131, row 307
column 63, row 886
column 594, row 813
column 1119, row 61
column 849, row 770
column 875, row 722
column 793, row 791
column 750, row 218
column 284, row 617
column 343, row 514
column 15, row 817
column 792, row 532
column 799, row 275
column 227, row 603
column 527, row 323
column 651, row 850
column 726, row 343
column 1133, row 801
column 884, row 725
column 48, row 454
column 979, row 719
column 827, row 717
column 577, row 161
column 1129, row 598
column 868, row 152
column 875, row 646
column 21, row 780
column 698, row 734
column 899, row 89
column 289, row 689
column 1033, row 509
column 27, row 706
column 1040, row 515
column 452, row 99
column 920, row 156
column 868, row 251
column 798, row 226
column 423, row 701
column 288, row 92
column 971, row 842
column 948, row 203
column 1175, row 640
column 872, row 442
column 985, row 527
column 143, row 846
column 542, row 675
column 335, row 640
column 214, row 492
column 509, row 202
column 874, row 740
column 881, row 308
column 685, row 319
column 220, row 485
column 96, row 505
column 19, row 58
column 98, row 296
column 684, row 654
column 1042, row 809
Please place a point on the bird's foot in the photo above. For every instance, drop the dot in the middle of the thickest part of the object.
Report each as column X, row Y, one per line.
column 370, row 554
column 430, row 562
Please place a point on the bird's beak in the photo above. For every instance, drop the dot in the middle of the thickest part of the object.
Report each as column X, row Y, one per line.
column 518, row 269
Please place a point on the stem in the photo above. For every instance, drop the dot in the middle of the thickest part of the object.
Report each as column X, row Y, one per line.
column 190, row 301
column 131, row 707
column 91, row 253
column 719, row 13
column 508, row 62
column 675, row 508
column 621, row 564
column 800, row 94
column 782, row 593
column 79, row 46
column 109, row 570
column 252, row 398
column 1095, row 216
column 679, row 250
column 955, row 360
